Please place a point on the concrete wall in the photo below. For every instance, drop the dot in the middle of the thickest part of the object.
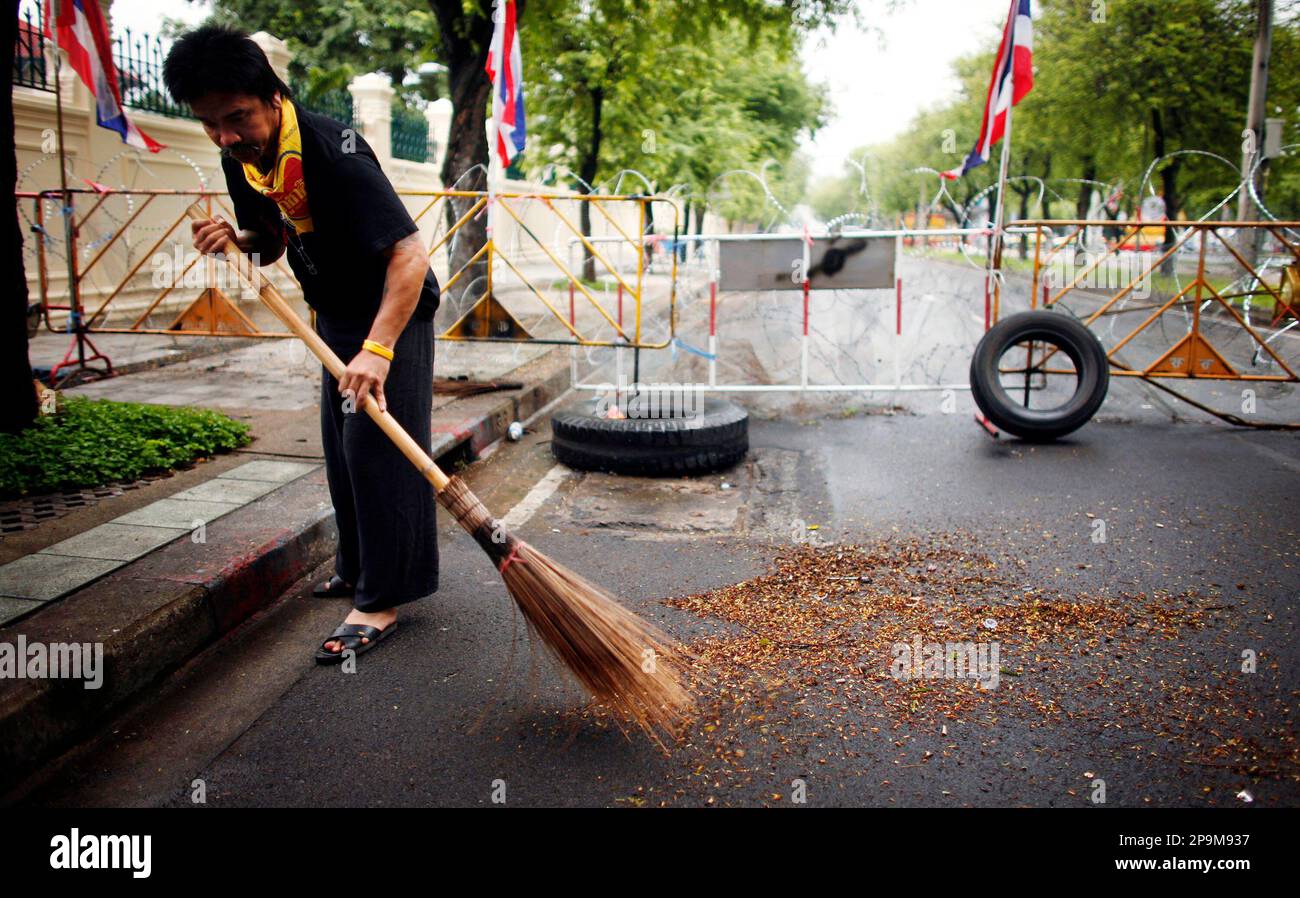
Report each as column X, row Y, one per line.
column 120, row 232
column 125, row 234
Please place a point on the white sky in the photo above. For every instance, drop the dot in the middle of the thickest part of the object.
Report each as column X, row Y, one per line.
column 875, row 89
column 147, row 15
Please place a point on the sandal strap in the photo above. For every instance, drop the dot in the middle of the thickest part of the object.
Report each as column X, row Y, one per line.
column 356, row 630
column 351, row 635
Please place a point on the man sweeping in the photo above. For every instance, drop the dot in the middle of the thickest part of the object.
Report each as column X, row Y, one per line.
column 306, row 184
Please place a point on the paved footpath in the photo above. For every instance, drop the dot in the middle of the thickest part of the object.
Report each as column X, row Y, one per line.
column 156, row 569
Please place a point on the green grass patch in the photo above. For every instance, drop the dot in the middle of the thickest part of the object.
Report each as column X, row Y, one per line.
column 90, row 442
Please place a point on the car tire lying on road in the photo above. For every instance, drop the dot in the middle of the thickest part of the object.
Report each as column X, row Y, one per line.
column 716, row 437
column 1084, row 350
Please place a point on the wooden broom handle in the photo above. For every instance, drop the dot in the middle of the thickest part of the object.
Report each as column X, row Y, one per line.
column 272, row 299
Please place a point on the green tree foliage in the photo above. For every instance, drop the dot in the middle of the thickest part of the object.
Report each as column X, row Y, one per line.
column 340, row 37
column 334, row 40
column 609, row 47
column 1116, row 86
column 613, row 92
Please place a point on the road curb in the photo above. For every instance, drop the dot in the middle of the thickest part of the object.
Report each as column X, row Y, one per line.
column 154, row 614
column 479, row 421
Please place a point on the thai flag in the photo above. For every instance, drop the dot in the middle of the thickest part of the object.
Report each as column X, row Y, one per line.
column 83, row 32
column 1013, row 76
column 507, row 83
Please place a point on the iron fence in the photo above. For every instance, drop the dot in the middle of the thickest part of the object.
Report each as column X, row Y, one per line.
column 139, row 60
column 29, row 54
column 334, row 102
column 139, row 57
column 410, row 135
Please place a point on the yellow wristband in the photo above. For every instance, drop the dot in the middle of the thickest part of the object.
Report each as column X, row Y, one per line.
column 378, row 349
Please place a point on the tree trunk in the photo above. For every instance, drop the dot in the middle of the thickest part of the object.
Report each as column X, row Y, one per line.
column 1085, row 190
column 1249, row 239
column 649, row 228
column 19, row 409
column 465, row 42
column 467, row 147
column 1169, row 183
column 684, row 230
column 588, row 171
column 1173, row 202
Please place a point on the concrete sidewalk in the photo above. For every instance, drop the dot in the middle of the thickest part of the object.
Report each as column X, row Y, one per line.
column 161, row 569
column 128, row 353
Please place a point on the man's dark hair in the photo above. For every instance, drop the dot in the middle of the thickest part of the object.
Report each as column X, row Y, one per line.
column 218, row 59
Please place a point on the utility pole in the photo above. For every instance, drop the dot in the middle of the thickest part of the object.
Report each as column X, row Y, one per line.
column 1253, row 137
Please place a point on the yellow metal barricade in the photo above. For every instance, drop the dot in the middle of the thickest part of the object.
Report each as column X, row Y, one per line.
column 93, row 292
column 1193, row 354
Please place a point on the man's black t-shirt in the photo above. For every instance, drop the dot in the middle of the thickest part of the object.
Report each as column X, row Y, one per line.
column 355, row 213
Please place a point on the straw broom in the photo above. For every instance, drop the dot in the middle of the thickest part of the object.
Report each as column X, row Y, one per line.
column 622, row 661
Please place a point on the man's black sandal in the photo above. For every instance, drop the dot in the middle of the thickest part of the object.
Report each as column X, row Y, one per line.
column 334, row 588
column 351, row 636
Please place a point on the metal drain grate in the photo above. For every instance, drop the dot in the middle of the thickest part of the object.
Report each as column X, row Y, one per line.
column 17, row 515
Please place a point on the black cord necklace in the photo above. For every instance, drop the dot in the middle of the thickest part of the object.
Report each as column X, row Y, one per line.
column 291, row 233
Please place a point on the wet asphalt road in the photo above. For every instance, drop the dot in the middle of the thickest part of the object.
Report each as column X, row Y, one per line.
column 453, row 710
column 1159, row 546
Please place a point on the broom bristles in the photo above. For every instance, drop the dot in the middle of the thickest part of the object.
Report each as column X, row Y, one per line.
column 622, row 660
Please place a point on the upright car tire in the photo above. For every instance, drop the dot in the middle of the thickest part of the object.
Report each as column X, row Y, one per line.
column 1080, row 345
column 716, row 437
